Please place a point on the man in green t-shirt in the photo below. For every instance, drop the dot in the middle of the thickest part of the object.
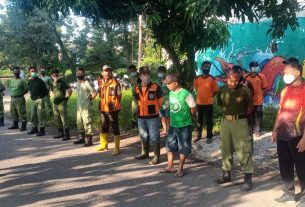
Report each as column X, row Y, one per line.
column 48, row 81
column 18, row 88
column 235, row 101
column 61, row 93
column 2, row 88
column 38, row 91
column 179, row 138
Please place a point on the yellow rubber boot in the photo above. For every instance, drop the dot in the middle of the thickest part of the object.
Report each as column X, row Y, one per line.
column 116, row 150
column 103, row 142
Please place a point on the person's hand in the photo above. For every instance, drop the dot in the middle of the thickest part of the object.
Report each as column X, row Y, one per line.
column 301, row 145
column 274, row 136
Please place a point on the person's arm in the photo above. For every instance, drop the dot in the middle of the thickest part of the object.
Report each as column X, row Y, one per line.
column 159, row 95
column 93, row 92
column 275, row 127
column 68, row 90
column 249, row 100
column 215, row 87
column 191, row 103
column 25, row 86
column 119, row 92
column 264, row 83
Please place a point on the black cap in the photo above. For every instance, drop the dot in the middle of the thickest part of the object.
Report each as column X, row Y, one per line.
column 291, row 60
column 170, row 78
column 144, row 69
column 54, row 71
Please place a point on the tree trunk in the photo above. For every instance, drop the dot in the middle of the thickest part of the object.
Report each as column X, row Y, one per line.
column 140, row 41
column 190, row 68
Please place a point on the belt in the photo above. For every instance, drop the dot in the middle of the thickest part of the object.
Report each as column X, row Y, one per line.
column 17, row 96
column 234, row 117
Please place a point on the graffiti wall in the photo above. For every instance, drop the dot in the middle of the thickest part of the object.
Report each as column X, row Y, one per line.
column 249, row 42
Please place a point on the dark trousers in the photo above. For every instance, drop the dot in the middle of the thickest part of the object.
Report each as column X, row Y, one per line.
column 256, row 118
column 290, row 158
column 207, row 111
column 110, row 118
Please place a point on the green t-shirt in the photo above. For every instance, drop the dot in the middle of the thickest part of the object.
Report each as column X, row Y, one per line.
column 165, row 92
column 180, row 114
column 234, row 101
column 47, row 80
column 37, row 88
column 58, row 89
column 18, row 87
column 84, row 90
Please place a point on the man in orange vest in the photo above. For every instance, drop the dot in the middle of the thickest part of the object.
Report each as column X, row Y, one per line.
column 110, row 105
column 150, row 99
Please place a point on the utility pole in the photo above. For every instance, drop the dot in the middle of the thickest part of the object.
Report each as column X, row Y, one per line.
column 140, row 40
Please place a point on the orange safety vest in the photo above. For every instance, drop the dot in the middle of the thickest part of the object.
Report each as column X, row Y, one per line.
column 109, row 99
column 148, row 103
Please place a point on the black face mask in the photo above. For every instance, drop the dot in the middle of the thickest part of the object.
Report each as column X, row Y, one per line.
column 17, row 75
column 80, row 77
column 42, row 73
column 205, row 71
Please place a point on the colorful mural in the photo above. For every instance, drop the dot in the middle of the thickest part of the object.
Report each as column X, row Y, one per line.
column 249, row 42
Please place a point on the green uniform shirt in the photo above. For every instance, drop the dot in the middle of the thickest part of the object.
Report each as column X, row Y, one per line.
column 37, row 88
column 58, row 89
column 84, row 89
column 234, row 101
column 180, row 114
column 165, row 92
column 18, row 87
column 47, row 80
column 133, row 81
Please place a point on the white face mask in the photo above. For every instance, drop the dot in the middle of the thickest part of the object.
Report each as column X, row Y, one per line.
column 288, row 78
column 133, row 74
column 254, row 69
column 145, row 80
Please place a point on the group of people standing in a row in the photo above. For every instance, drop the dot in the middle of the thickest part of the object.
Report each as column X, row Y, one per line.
column 240, row 100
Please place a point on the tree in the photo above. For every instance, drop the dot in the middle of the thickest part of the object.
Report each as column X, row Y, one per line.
column 184, row 26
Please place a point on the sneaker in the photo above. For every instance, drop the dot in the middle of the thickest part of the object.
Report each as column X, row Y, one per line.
column 285, row 198
column 301, row 202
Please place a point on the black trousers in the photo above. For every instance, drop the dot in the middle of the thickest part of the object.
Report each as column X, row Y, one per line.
column 207, row 112
column 256, row 118
column 110, row 118
column 290, row 158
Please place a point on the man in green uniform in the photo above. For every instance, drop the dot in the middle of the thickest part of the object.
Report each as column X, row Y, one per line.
column 85, row 94
column 18, row 88
column 48, row 81
column 61, row 93
column 134, row 80
column 38, row 91
column 236, row 103
column 2, row 88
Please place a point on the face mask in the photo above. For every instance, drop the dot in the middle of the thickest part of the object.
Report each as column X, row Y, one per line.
column 145, row 80
column 254, row 69
column 55, row 79
column 34, row 75
column 80, row 77
column 17, row 75
column 161, row 75
column 205, row 71
column 42, row 72
column 288, row 79
column 133, row 74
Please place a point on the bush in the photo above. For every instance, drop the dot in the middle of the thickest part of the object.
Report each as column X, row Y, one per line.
column 5, row 73
column 269, row 117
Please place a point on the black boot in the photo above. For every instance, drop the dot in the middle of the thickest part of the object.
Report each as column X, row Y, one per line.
column 23, row 126
column 156, row 159
column 34, row 130
column 225, row 178
column 41, row 132
column 247, row 185
column 88, row 141
column 81, row 139
column 14, row 126
column 60, row 134
column 1, row 121
column 145, row 151
column 67, row 134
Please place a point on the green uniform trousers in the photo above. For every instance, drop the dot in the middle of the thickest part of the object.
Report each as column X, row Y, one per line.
column 134, row 110
column 48, row 105
column 38, row 113
column 18, row 109
column 1, row 106
column 84, row 120
column 235, row 138
column 61, row 115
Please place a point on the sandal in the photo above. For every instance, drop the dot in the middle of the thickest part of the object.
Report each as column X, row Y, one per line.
column 165, row 170
column 179, row 174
